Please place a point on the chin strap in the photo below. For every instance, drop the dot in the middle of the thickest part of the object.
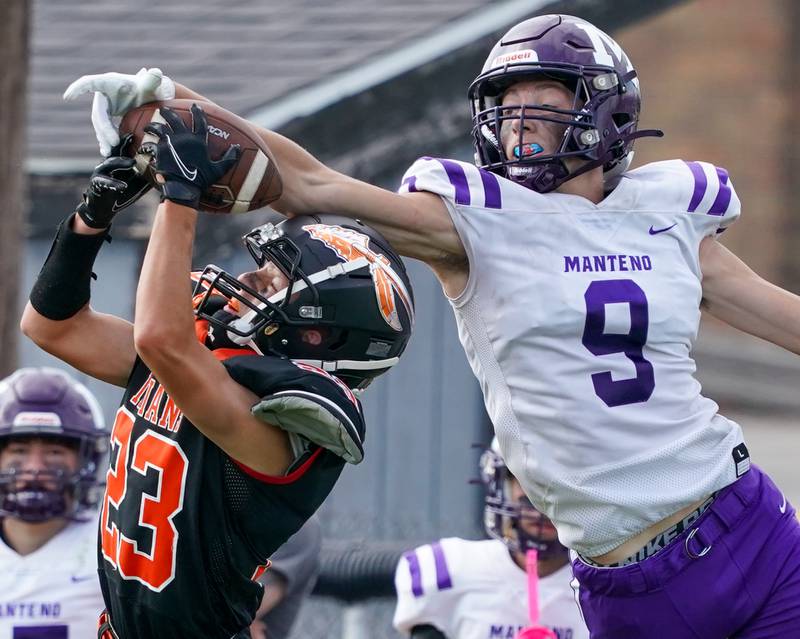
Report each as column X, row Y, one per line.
column 350, row 364
column 644, row 133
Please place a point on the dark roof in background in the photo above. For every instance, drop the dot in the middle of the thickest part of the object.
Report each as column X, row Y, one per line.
column 366, row 87
column 273, row 61
column 243, row 53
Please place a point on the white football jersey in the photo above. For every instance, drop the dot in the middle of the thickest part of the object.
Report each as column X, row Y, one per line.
column 54, row 592
column 474, row 590
column 578, row 320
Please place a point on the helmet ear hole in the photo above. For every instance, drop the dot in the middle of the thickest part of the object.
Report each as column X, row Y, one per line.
column 340, row 341
column 621, row 120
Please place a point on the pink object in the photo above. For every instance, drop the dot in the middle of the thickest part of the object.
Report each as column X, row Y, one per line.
column 531, row 561
column 534, row 631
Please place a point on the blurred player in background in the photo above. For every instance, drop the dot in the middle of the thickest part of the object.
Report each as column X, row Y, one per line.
column 577, row 286
column 53, row 447
column 228, row 437
column 461, row 589
column 289, row 580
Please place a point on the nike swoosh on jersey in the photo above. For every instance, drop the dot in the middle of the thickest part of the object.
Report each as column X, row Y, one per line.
column 782, row 507
column 189, row 175
column 657, row 231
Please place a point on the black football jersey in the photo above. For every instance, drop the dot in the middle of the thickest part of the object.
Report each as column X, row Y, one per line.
column 184, row 528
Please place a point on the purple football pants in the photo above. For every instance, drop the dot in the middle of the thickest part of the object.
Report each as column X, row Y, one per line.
column 735, row 573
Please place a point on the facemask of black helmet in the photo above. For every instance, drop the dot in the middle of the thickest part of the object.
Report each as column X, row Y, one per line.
column 348, row 307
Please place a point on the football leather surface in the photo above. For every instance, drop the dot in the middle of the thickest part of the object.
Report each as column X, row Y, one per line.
column 252, row 183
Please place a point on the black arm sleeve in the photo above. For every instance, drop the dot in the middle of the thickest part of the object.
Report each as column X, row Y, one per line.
column 63, row 285
column 426, row 632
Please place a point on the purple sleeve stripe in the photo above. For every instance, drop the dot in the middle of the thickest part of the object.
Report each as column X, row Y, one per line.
column 416, row 575
column 411, row 181
column 723, row 198
column 700, row 185
column 442, row 574
column 457, row 177
column 491, row 189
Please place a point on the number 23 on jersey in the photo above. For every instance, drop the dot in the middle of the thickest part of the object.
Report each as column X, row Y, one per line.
column 153, row 566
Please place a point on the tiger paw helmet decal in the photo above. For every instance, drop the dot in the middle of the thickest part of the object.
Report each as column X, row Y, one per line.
column 351, row 245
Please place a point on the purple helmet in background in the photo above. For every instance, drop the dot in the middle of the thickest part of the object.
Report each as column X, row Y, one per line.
column 47, row 403
column 600, row 126
column 514, row 522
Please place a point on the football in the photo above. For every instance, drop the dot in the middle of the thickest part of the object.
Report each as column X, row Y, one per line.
column 252, row 183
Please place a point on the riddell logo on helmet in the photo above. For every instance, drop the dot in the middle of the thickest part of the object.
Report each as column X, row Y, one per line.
column 218, row 132
column 35, row 418
column 526, row 55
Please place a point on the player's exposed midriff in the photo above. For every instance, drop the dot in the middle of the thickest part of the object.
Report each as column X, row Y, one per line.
column 633, row 544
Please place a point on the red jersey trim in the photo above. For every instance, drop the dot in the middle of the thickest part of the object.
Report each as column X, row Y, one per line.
column 225, row 353
column 283, row 479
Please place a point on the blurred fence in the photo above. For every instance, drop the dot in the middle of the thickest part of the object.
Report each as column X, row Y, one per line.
column 354, row 596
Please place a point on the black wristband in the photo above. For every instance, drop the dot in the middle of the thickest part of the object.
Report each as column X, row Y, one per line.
column 63, row 285
column 84, row 212
column 181, row 193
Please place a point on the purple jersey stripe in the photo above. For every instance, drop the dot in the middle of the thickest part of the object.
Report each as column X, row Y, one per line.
column 723, row 198
column 491, row 189
column 457, row 177
column 412, row 183
column 700, row 185
column 442, row 573
column 416, row 575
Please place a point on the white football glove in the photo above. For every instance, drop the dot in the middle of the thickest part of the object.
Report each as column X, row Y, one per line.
column 117, row 93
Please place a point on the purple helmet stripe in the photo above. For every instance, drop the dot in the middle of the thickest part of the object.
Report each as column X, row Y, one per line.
column 723, row 198
column 491, row 189
column 416, row 575
column 457, row 177
column 442, row 573
column 700, row 185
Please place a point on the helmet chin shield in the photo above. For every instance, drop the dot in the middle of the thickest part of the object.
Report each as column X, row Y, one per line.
column 332, row 313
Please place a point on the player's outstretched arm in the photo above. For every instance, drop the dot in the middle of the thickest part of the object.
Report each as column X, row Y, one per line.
column 164, row 333
column 58, row 317
column 418, row 225
column 735, row 294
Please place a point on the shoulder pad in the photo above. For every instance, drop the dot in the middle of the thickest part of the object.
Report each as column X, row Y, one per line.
column 699, row 188
column 426, row 590
column 304, row 400
column 458, row 182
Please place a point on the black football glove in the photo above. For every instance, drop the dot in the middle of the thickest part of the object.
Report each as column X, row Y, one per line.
column 181, row 157
column 114, row 186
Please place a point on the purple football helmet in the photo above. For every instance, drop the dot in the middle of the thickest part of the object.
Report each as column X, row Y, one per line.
column 47, row 403
column 599, row 128
column 514, row 522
